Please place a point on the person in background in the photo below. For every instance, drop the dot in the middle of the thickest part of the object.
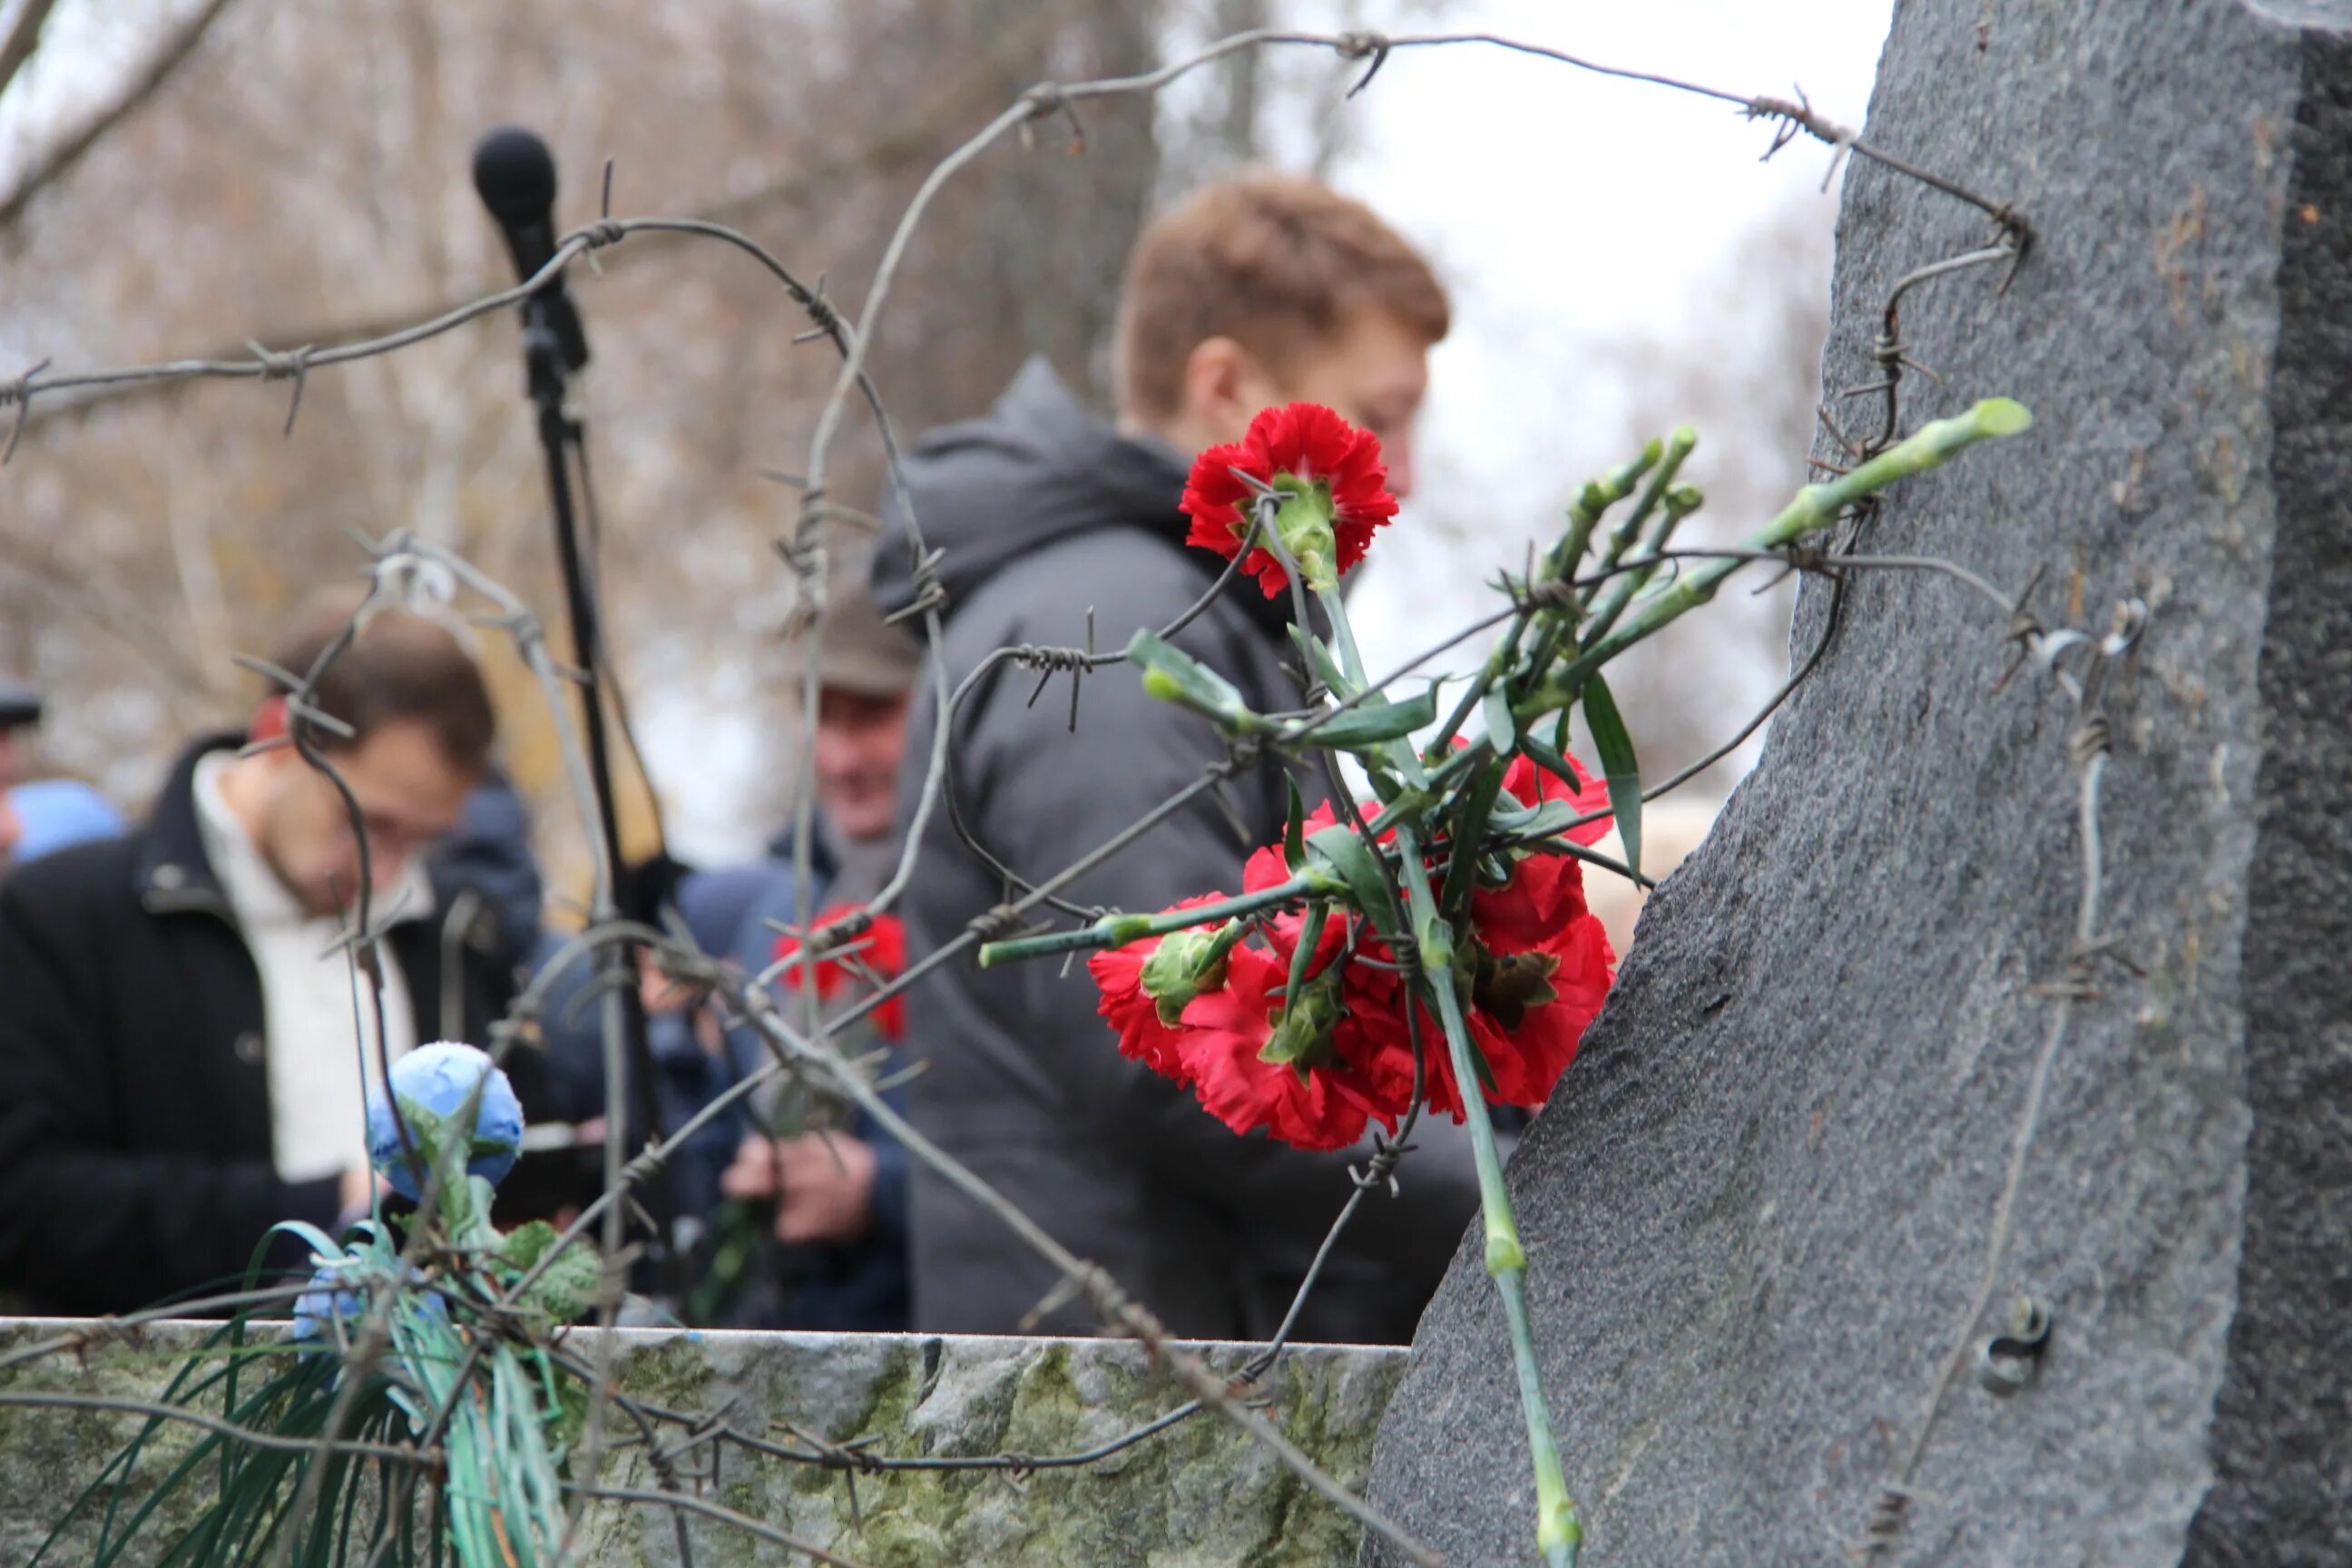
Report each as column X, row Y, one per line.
column 20, row 710
column 57, row 814
column 186, row 1051
column 836, row 1180
column 685, row 1029
column 1052, row 524
column 491, row 852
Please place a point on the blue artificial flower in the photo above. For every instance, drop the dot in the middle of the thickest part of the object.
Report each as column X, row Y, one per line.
column 432, row 1084
column 325, row 1301
column 340, row 1290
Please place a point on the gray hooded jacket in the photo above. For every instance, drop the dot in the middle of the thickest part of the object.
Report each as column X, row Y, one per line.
column 1045, row 513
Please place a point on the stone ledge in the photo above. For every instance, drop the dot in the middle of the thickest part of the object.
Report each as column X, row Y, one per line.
column 1198, row 1496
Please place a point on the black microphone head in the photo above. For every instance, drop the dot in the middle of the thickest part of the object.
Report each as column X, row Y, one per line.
column 515, row 173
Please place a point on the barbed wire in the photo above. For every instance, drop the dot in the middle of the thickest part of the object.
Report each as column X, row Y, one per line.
column 807, row 1050
column 2090, row 743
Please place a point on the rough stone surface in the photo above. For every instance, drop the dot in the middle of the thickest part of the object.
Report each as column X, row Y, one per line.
column 1201, row 1495
column 1759, row 1206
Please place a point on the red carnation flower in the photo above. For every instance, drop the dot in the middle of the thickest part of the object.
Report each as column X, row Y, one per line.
column 1534, row 968
column 1336, row 494
column 1315, row 1084
column 880, row 954
column 1324, row 1102
column 1144, row 1035
column 1545, row 893
column 1536, row 960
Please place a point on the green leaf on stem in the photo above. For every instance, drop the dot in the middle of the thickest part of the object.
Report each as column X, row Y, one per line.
column 523, row 1247
column 1174, row 676
column 1375, row 722
column 568, row 1288
column 1464, row 833
column 1496, row 711
column 1302, row 957
column 1617, row 763
column 1320, row 664
column 1294, row 828
column 1551, row 760
column 1530, row 824
column 1367, row 879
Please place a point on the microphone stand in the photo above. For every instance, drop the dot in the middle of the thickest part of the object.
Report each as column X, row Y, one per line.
column 559, row 435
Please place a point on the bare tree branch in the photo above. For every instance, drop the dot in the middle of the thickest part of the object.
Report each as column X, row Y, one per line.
column 23, row 39
column 175, row 53
column 903, row 146
column 136, row 630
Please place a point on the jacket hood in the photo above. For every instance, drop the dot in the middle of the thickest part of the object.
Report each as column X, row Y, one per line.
column 1038, row 466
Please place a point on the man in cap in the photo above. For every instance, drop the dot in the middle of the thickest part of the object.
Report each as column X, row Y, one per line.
column 839, row 1181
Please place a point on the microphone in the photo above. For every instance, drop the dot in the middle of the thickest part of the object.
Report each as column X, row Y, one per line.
column 515, row 175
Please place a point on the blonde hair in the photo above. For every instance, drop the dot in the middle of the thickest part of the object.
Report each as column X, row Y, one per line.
column 1276, row 262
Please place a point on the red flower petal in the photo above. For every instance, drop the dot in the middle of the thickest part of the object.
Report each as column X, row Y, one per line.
column 1308, row 442
column 1124, row 1004
column 1214, row 495
column 1327, row 1107
column 881, row 952
column 1526, row 1062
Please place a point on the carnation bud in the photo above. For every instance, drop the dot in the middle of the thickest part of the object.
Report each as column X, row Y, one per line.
column 1302, row 1031
column 1305, row 524
column 1187, row 965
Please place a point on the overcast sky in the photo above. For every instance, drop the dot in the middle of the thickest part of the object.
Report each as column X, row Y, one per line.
column 1572, row 210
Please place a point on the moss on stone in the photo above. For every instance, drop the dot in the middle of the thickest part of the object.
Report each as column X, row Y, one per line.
column 1200, row 1495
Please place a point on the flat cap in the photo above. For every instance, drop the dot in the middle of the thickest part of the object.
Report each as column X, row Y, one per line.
column 856, row 649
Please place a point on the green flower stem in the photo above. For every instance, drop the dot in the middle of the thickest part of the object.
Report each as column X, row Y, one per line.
column 1610, row 600
column 1451, row 768
column 1504, row 655
column 1584, row 517
column 1815, row 509
column 1400, row 754
column 1310, row 937
column 1559, row 1530
column 1117, row 931
column 1351, row 658
column 1468, row 832
column 1560, row 562
column 1628, row 531
column 1598, row 495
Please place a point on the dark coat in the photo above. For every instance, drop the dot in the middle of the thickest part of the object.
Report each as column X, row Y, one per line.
column 134, row 1100
column 1045, row 513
